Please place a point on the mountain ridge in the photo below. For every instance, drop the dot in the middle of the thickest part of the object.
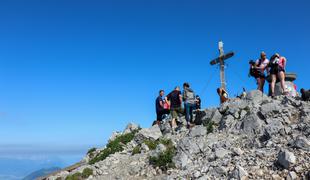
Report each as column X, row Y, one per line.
column 245, row 138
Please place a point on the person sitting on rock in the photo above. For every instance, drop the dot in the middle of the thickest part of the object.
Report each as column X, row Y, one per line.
column 198, row 102
column 305, row 94
column 160, row 110
column 277, row 66
column 223, row 95
column 175, row 99
column 189, row 103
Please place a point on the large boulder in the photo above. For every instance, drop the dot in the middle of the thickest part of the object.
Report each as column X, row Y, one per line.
column 153, row 133
column 256, row 97
column 131, row 127
column 252, row 125
column 302, row 142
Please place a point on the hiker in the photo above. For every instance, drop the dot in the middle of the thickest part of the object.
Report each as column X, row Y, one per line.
column 305, row 94
column 198, row 102
column 261, row 65
column 223, row 95
column 189, row 103
column 160, row 110
column 175, row 100
column 277, row 66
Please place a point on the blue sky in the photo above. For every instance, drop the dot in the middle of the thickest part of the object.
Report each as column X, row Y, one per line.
column 72, row 72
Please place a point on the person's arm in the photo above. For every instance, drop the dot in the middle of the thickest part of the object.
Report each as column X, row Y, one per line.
column 161, row 103
column 180, row 97
column 284, row 62
column 183, row 95
column 168, row 102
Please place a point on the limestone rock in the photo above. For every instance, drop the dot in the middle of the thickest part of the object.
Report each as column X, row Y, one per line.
column 152, row 133
column 286, row 158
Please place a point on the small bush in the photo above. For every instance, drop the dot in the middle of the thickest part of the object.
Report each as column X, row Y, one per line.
column 90, row 151
column 76, row 176
column 59, row 178
column 114, row 146
column 87, row 172
column 136, row 150
column 164, row 160
column 151, row 144
column 166, row 142
column 210, row 127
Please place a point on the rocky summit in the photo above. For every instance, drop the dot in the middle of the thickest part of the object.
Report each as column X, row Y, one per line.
column 255, row 137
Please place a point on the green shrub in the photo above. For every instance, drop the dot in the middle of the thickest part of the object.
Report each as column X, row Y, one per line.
column 164, row 159
column 151, row 144
column 76, row 176
column 210, row 127
column 87, row 172
column 166, row 142
column 114, row 146
column 90, row 151
column 136, row 150
column 59, row 178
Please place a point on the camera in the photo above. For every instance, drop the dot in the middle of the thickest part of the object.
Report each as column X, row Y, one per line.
column 252, row 62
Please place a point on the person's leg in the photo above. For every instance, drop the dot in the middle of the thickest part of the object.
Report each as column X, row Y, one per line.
column 192, row 106
column 174, row 116
column 281, row 76
column 258, row 83
column 187, row 113
column 159, row 117
column 273, row 83
column 262, row 83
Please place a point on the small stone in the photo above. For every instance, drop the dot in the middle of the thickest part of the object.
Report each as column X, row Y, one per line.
column 276, row 177
column 237, row 151
column 286, row 158
column 220, row 153
column 144, row 147
column 242, row 174
column 197, row 174
column 302, row 143
column 291, row 176
column 259, row 172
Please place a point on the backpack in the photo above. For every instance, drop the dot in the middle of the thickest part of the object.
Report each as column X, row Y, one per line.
column 189, row 96
column 254, row 72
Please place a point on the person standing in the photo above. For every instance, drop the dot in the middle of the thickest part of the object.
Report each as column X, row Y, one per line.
column 261, row 65
column 189, row 103
column 159, row 105
column 277, row 70
column 175, row 99
column 222, row 94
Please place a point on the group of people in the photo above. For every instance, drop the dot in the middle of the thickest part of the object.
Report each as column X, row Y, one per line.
column 172, row 104
column 275, row 67
column 259, row 69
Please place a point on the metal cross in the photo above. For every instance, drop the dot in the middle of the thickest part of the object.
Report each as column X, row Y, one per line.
column 220, row 60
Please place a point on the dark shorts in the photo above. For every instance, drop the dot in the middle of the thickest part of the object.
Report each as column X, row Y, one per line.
column 160, row 114
column 176, row 111
column 276, row 70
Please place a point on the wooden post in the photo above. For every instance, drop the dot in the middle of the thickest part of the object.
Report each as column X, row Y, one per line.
column 221, row 61
column 222, row 65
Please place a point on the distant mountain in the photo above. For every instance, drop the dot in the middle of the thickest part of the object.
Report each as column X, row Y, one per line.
column 41, row 172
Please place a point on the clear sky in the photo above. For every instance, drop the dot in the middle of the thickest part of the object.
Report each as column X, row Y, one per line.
column 72, row 72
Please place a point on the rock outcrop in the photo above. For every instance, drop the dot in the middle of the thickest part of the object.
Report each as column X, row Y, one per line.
column 252, row 138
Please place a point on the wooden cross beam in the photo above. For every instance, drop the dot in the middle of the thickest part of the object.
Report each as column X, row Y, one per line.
column 220, row 60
